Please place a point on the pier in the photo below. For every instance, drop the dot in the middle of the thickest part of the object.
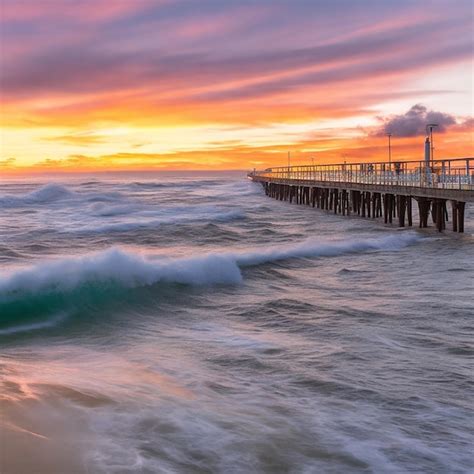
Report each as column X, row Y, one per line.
column 379, row 190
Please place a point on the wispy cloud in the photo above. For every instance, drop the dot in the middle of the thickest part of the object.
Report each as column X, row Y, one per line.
column 8, row 163
column 80, row 138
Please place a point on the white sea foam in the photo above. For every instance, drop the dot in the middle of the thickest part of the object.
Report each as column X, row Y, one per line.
column 99, row 209
column 231, row 189
column 50, row 322
column 127, row 269
column 50, row 193
column 155, row 223
column 133, row 270
column 109, row 212
column 44, row 194
column 316, row 248
column 142, row 219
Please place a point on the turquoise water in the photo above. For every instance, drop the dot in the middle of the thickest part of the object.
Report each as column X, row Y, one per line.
column 186, row 323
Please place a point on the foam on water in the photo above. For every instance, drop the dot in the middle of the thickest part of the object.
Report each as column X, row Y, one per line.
column 24, row 291
column 44, row 195
column 131, row 270
column 124, row 268
column 53, row 193
column 51, row 322
column 142, row 220
column 316, row 248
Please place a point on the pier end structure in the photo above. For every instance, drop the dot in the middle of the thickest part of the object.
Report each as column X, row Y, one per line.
column 379, row 189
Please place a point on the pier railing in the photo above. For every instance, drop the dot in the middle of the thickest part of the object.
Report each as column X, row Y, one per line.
column 457, row 173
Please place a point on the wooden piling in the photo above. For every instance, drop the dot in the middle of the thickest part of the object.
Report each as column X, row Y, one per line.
column 401, row 210
column 409, row 211
column 461, row 207
column 424, row 205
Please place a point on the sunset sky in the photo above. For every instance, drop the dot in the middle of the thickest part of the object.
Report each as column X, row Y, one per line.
column 211, row 84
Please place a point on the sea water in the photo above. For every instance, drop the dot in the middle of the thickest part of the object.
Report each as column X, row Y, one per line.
column 187, row 323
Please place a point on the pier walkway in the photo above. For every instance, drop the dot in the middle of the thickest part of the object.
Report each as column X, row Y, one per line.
column 379, row 189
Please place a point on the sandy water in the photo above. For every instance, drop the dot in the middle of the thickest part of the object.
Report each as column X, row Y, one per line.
column 186, row 323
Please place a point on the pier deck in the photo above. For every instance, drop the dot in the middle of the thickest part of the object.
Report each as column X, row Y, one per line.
column 379, row 189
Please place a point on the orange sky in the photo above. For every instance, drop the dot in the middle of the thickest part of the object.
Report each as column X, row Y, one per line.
column 100, row 85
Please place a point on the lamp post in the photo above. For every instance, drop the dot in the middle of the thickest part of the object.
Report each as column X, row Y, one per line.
column 389, row 135
column 430, row 127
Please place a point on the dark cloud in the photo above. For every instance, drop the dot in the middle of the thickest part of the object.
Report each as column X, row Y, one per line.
column 413, row 123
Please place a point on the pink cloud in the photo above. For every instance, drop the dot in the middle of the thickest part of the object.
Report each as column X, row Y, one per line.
column 96, row 10
column 222, row 23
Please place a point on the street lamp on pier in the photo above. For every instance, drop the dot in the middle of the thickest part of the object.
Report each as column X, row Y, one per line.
column 429, row 132
column 389, row 135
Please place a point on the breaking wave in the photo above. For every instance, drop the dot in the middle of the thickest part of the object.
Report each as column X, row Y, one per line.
column 44, row 194
column 50, row 286
column 311, row 248
column 50, row 193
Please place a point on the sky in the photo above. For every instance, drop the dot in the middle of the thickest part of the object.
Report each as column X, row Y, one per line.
column 104, row 85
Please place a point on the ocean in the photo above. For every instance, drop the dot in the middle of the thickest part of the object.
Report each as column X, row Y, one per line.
column 186, row 323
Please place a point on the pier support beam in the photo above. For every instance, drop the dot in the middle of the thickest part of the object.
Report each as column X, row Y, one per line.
column 438, row 213
column 409, row 211
column 402, row 205
column 458, row 215
column 461, row 206
column 424, row 211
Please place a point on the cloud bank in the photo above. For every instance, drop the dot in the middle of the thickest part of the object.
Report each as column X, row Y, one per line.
column 413, row 122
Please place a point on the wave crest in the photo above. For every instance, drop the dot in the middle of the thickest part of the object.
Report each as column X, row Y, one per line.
column 53, row 192
column 118, row 267
column 51, row 285
column 44, row 194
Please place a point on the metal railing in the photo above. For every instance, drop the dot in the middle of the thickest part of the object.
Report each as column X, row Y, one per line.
column 456, row 173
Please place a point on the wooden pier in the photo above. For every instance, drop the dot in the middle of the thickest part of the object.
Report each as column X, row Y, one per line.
column 376, row 190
